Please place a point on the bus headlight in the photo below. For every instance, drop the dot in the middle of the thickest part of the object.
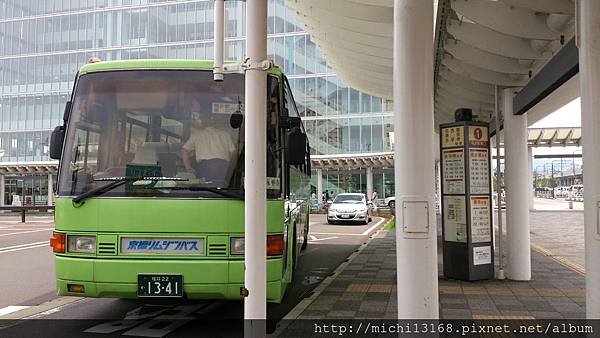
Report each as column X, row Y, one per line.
column 237, row 245
column 84, row 244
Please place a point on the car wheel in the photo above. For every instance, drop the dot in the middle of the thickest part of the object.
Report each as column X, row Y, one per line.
column 330, row 222
column 392, row 204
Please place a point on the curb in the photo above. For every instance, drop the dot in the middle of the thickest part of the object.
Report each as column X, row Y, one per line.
column 300, row 307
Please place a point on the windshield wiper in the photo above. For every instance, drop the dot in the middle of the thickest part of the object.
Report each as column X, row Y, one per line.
column 216, row 190
column 117, row 182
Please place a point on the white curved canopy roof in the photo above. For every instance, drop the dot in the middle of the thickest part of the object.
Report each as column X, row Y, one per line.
column 479, row 44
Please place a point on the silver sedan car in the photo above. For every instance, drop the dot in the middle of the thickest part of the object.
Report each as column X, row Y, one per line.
column 350, row 208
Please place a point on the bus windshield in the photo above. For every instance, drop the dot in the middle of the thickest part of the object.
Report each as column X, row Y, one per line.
column 162, row 123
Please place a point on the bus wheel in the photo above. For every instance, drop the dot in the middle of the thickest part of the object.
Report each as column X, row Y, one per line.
column 305, row 242
column 294, row 251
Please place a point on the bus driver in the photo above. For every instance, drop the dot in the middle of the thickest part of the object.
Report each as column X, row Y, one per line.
column 212, row 146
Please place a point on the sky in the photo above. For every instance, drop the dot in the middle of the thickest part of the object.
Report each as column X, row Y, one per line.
column 567, row 116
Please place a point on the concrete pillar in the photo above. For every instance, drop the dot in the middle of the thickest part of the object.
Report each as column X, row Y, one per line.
column 320, row 187
column 2, row 190
column 530, row 176
column 416, row 235
column 589, row 71
column 255, row 211
column 50, row 189
column 369, row 183
column 517, row 192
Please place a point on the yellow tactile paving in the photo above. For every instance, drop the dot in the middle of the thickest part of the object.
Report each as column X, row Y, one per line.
column 561, row 260
column 456, row 290
column 549, row 292
column 524, row 292
column 573, row 292
column 380, row 288
column 499, row 291
column 474, row 291
column 494, row 317
column 358, row 288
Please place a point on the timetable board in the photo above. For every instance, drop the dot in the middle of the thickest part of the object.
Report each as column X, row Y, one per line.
column 479, row 171
column 466, row 201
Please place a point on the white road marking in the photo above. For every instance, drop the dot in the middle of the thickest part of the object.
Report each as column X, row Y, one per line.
column 25, row 232
column 25, row 229
column 22, row 245
column 11, row 309
column 368, row 231
column 322, row 239
column 313, row 237
column 24, row 248
column 36, row 311
column 19, row 222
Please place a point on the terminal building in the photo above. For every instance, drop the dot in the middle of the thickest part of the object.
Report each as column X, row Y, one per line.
column 43, row 43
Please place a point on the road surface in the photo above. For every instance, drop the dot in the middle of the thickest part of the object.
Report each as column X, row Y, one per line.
column 29, row 287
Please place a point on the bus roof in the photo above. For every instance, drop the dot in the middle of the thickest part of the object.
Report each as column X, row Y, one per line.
column 155, row 64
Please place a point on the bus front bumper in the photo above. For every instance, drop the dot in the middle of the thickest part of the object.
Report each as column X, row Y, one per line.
column 202, row 279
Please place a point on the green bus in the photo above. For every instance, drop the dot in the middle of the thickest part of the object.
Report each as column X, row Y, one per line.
column 150, row 197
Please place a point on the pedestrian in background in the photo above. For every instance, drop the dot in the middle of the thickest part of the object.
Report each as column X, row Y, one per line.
column 375, row 199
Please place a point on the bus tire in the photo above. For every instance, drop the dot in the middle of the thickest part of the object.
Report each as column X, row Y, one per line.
column 294, row 257
column 305, row 242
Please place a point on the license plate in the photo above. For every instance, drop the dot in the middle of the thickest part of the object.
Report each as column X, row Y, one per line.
column 345, row 216
column 160, row 286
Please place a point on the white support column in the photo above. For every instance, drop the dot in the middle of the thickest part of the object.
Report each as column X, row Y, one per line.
column 589, row 70
column 518, row 248
column 369, row 183
column 416, row 235
column 255, row 304
column 50, row 189
column 530, row 176
column 219, row 29
column 319, row 187
column 2, row 190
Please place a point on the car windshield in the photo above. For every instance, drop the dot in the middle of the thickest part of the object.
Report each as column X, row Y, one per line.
column 351, row 199
column 164, row 124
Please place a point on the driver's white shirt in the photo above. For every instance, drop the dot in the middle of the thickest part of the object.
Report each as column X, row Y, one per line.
column 210, row 143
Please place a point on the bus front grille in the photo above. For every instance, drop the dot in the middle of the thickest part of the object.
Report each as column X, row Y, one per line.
column 217, row 249
column 107, row 249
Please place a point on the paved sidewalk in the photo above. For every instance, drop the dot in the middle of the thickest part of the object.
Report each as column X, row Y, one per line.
column 366, row 288
column 561, row 233
column 547, row 204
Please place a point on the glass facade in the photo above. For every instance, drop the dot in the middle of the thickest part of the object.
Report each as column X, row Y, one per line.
column 355, row 180
column 28, row 190
column 44, row 42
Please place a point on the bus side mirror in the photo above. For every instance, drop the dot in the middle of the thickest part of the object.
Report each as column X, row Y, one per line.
column 236, row 119
column 296, row 147
column 56, row 142
column 67, row 112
